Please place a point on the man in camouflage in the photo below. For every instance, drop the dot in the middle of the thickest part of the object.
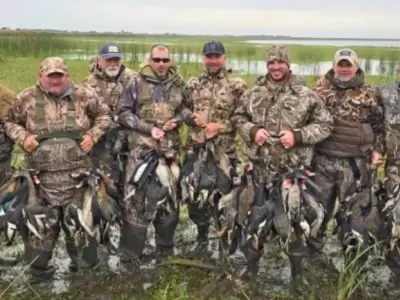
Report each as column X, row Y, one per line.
column 342, row 162
column 152, row 103
column 61, row 111
column 213, row 97
column 108, row 78
column 278, row 105
column 390, row 94
column 6, row 144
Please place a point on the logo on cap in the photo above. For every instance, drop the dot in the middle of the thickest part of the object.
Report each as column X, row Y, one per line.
column 345, row 53
column 113, row 49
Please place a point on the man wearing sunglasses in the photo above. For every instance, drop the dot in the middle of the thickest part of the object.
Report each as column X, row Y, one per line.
column 108, row 78
column 153, row 104
column 213, row 97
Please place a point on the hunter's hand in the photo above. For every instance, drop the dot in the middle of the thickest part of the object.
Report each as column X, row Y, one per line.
column 261, row 136
column 30, row 143
column 87, row 143
column 199, row 120
column 170, row 125
column 377, row 159
column 212, row 130
column 287, row 138
column 157, row 133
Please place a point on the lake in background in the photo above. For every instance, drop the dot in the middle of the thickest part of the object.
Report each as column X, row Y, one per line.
column 339, row 43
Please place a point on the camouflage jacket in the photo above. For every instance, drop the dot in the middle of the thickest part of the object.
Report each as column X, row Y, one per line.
column 110, row 90
column 291, row 106
column 91, row 116
column 216, row 98
column 149, row 102
column 356, row 102
column 390, row 95
column 6, row 144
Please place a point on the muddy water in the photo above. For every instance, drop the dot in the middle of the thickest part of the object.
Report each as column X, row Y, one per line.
column 113, row 280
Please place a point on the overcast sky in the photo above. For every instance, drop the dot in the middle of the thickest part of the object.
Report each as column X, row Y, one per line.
column 317, row 18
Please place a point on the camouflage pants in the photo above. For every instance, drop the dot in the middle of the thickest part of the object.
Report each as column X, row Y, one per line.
column 39, row 252
column 392, row 256
column 336, row 179
column 58, row 188
column 135, row 221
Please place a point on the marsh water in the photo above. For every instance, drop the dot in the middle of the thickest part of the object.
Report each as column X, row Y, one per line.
column 372, row 67
column 155, row 280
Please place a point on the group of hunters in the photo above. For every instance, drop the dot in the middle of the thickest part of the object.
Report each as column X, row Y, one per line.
column 108, row 153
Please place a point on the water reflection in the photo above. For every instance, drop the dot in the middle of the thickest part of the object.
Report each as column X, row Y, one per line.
column 372, row 67
column 329, row 42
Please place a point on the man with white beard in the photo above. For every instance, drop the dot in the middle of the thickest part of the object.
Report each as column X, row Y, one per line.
column 108, row 78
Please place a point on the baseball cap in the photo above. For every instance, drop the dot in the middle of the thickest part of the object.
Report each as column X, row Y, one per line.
column 110, row 50
column 213, row 47
column 346, row 54
column 53, row 64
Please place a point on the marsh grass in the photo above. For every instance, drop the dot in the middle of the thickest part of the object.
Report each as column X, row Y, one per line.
column 40, row 44
column 353, row 277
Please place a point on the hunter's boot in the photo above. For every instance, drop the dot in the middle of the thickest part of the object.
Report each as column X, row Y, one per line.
column 202, row 240
column 39, row 259
column 132, row 243
column 84, row 258
column 295, row 267
column 165, row 227
column 392, row 259
column 253, row 262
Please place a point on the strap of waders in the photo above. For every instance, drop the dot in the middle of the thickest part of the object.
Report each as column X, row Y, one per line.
column 41, row 115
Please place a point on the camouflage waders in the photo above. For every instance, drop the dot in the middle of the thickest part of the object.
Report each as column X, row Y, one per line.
column 56, row 188
column 137, row 213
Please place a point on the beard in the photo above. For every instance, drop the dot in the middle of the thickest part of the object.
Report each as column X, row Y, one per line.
column 112, row 71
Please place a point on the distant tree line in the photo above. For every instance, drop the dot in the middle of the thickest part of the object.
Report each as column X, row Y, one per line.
column 124, row 33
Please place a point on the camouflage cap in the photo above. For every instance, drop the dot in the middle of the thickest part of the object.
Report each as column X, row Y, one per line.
column 278, row 52
column 346, row 54
column 53, row 65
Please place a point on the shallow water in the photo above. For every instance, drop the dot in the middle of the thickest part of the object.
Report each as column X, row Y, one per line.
column 113, row 280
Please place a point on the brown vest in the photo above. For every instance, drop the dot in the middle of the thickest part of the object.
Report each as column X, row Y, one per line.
column 348, row 139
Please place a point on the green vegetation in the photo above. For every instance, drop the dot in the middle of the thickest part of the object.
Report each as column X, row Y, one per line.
column 20, row 56
column 27, row 44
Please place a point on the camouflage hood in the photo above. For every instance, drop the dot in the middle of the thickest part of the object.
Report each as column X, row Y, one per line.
column 172, row 76
column 100, row 74
column 358, row 80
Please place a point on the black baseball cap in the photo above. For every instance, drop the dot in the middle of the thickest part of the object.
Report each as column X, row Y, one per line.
column 110, row 50
column 213, row 47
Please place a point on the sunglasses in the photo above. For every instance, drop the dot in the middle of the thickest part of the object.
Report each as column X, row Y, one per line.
column 158, row 60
